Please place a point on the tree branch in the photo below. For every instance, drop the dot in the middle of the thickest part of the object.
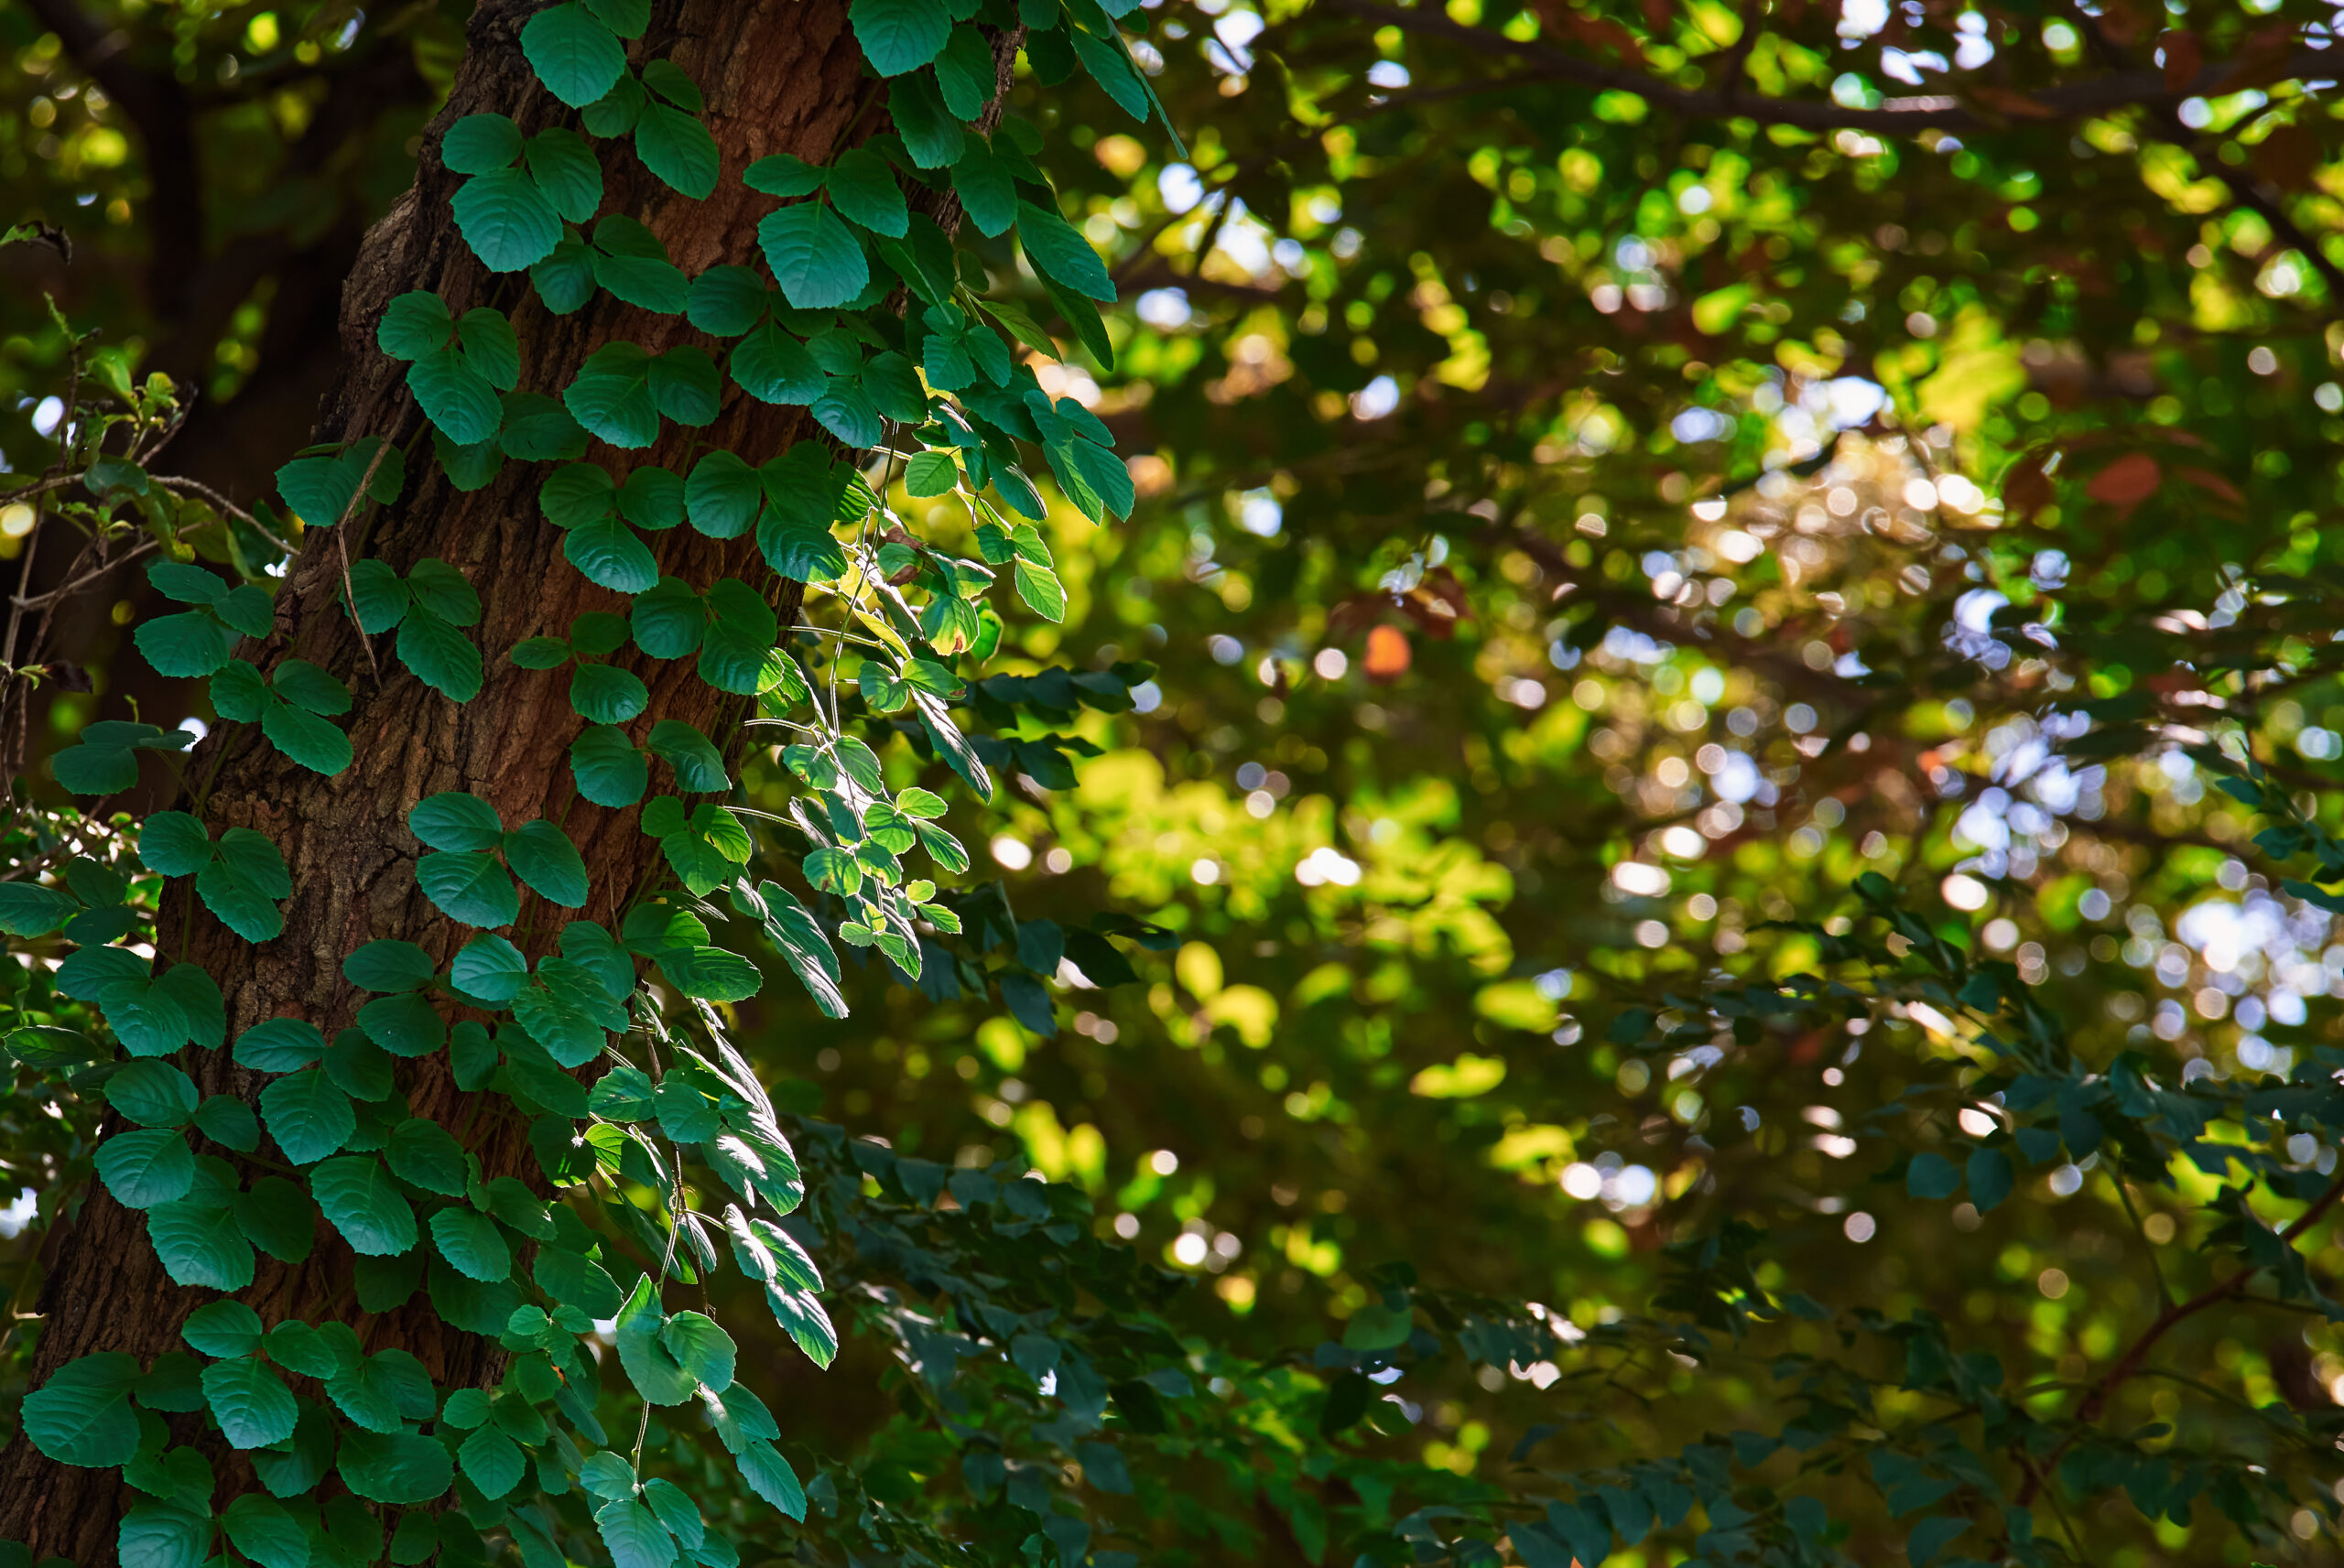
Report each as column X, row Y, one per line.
column 1943, row 111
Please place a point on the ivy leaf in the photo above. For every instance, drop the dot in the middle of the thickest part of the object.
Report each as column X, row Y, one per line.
column 453, row 821
column 802, row 1318
column 601, row 694
column 223, row 1329
column 173, row 844
column 199, row 1244
column 1058, row 251
column 358, row 1199
column 441, row 657
column 814, row 257
column 153, row 1094
column 931, row 473
column 308, row 1115
column 612, row 398
column 307, row 738
column 387, row 965
column 699, row 767
column 633, row 1535
column 791, row 929
column 677, row 147
column 612, row 555
column 424, row 1154
column 455, row 397
column 864, row 190
column 769, row 1475
column 146, row 1168
column 276, row 1217
column 567, row 172
column 251, row 1402
column 471, row 888
column 542, row 856
column 774, row 367
column 401, row 1468
column 609, row 770
column 492, row 1462
column 82, row 1414
column 505, row 220
column 571, row 1022
column 489, row 967
column 170, row 1533
column 472, row 1245
column 575, row 56
column 630, row 262
column 701, row 1348
column 403, row 1025
column 259, row 1528
column 193, row 644
column 654, row 1371
column 899, row 35
column 964, row 72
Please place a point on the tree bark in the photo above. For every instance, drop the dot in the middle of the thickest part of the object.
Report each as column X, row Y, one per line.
column 780, row 76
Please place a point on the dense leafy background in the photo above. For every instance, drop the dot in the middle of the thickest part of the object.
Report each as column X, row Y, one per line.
column 1582, row 530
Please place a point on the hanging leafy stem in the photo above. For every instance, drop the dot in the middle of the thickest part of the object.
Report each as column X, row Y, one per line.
column 666, row 1156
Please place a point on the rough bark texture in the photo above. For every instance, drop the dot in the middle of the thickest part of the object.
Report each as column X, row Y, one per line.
column 780, row 76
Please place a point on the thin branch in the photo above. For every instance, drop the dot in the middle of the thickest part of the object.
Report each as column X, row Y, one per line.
column 1943, row 111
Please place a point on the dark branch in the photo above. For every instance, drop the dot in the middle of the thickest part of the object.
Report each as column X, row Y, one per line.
column 1945, row 112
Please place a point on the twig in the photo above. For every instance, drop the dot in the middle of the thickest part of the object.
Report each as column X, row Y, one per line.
column 341, row 544
column 220, row 503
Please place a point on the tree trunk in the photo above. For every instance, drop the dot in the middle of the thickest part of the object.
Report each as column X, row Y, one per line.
column 780, row 76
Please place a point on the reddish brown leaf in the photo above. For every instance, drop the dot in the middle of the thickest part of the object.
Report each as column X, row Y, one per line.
column 2128, row 481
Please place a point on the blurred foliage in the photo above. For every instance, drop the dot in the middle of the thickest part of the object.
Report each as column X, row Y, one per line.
column 1617, row 480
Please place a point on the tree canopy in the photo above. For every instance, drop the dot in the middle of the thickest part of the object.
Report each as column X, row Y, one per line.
column 1659, row 873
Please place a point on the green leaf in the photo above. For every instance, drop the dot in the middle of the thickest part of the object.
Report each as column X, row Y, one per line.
column 575, row 56
column 612, row 555
column 199, row 1244
column 793, row 930
column 28, row 910
column 783, row 174
column 931, row 136
column 146, row 1168
column 814, row 257
column 480, row 144
column 471, row 888
column 769, row 1475
column 414, row 324
column 686, row 388
column 167, row 1534
column 472, row 1244
column 630, row 263
column 601, row 694
column 259, row 1528
column 442, row 657
column 193, row 644
column 403, row 1025
column 864, row 190
column 567, row 170
column 358, row 1199
column 399, row 1468
column 931, row 473
column 307, row 738
column 489, row 967
column 424, row 1154
column 222, row 1328
column 609, row 770
column 229, row 1122
column 1040, row 588
column 802, row 1318
column 699, row 767
column 173, row 844
column 677, row 147
column 492, row 1462
column 542, row 856
column 276, row 1217
column 82, row 1414
column 153, row 1094
column 1991, row 1178
column 307, row 1115
column 899, row 35
column 505, row 220
column 1057, row 250
column 654, row 1371
column 633, row 1535
column 387, row 965
column 774, row 367
column 454, row 396
column 701, row 1348
column 456, row 822
column 250, row 1402
column 1931, row 1175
